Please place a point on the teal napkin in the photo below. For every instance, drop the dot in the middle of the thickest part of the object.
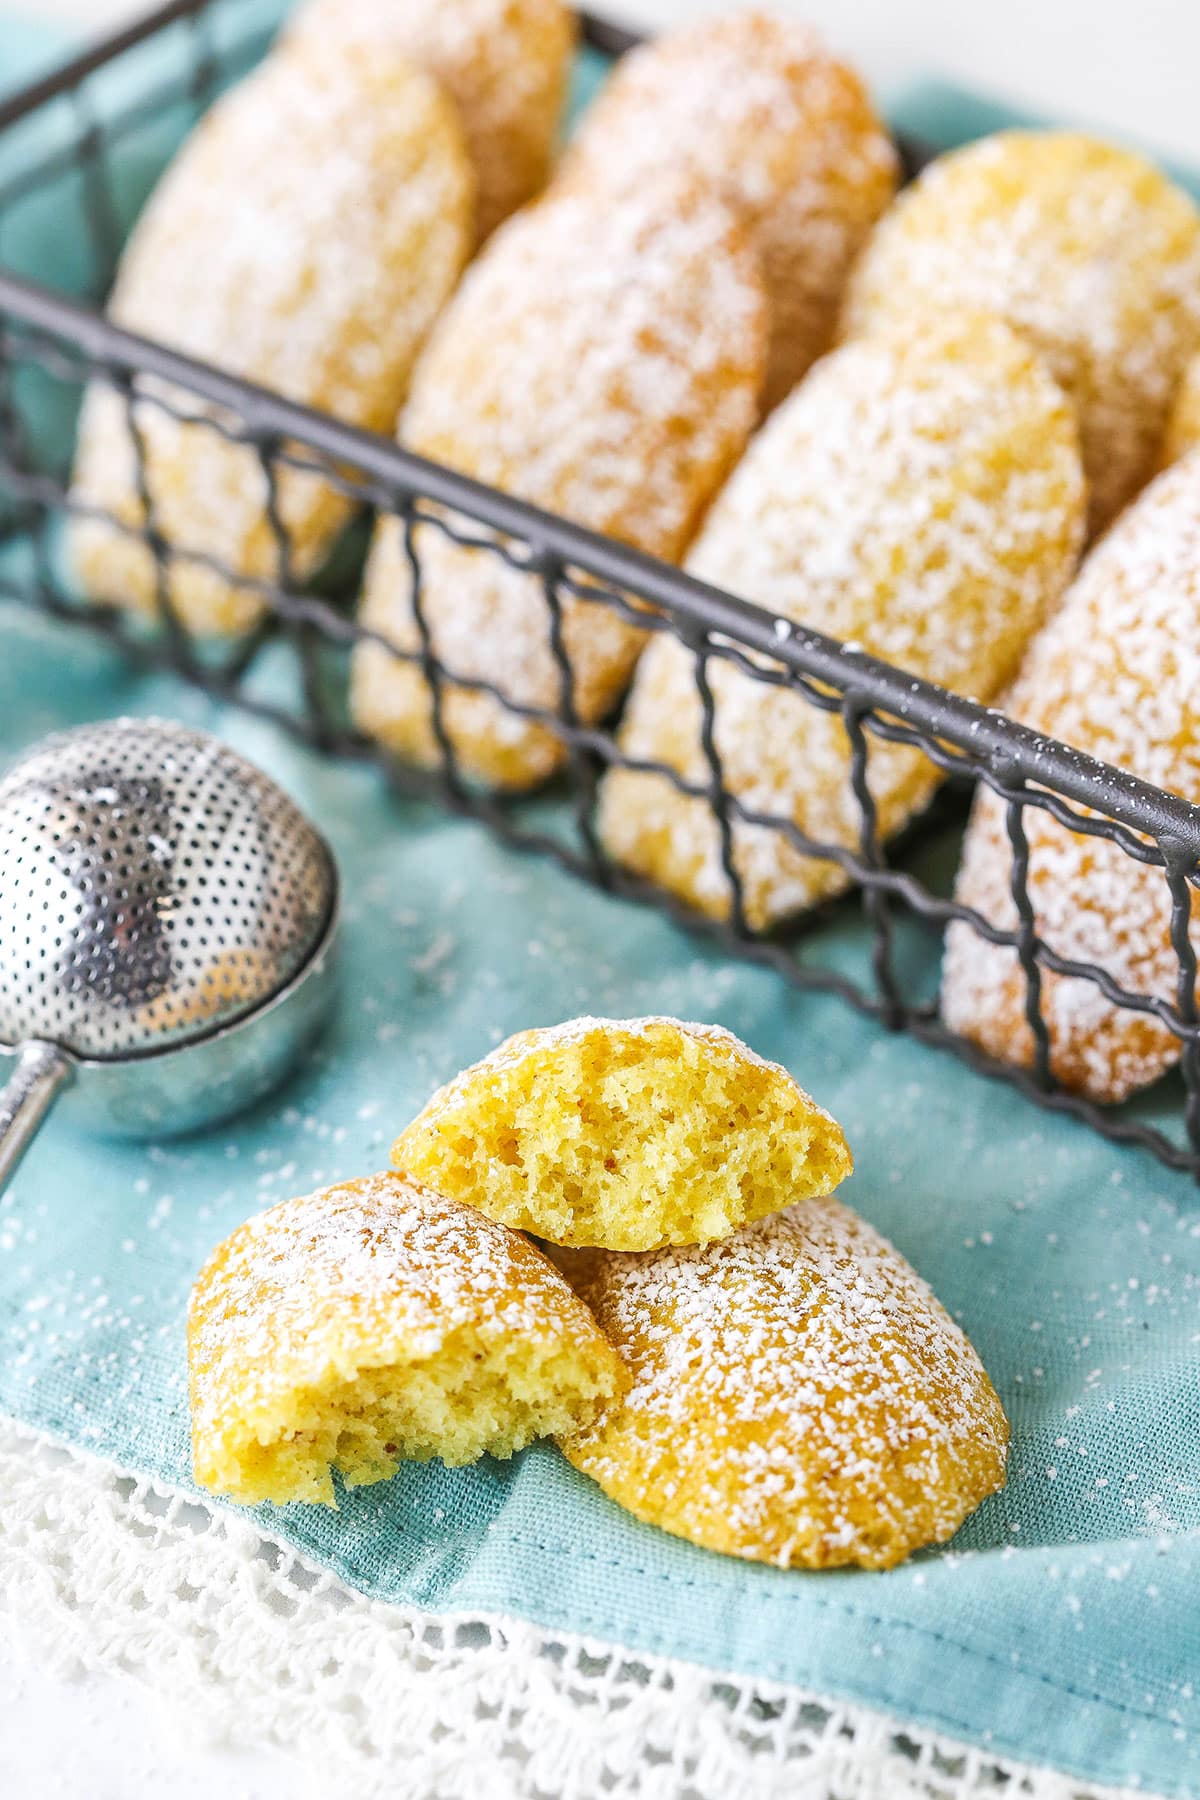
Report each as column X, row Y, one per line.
column 1059, row 1628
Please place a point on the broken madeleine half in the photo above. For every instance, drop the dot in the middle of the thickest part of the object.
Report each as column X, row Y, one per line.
column 372, row 1323
column 626, row 1134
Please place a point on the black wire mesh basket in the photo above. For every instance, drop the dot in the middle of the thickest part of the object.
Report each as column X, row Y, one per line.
column 79, row 151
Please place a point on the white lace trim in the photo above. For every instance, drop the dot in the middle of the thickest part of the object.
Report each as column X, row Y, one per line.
column 105, row 1571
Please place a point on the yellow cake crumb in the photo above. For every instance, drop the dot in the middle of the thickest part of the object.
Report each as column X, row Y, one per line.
column 626, row 1133
column 796, row 1396
column 377, row 1322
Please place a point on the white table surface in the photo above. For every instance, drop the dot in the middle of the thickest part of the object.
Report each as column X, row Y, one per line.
column 104, row 1738
column 1131, row 67
column 1128, row 64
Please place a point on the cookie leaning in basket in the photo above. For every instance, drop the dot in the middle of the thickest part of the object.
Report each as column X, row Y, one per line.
column 627, row 1133
column 1087, row 250
column 920, row 494
column 504, row 63
column 754, row 106
column 796, row 1395
column 604, row 361
column 1113, row 673
column 372, row 1323
column 315, row 269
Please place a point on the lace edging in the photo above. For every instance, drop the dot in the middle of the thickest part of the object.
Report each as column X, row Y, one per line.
column 109, row 1571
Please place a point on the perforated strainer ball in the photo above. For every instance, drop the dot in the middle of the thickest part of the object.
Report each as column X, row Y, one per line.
column 155, row 889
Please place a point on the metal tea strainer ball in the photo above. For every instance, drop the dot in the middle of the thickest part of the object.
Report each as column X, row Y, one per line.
column 167, row 916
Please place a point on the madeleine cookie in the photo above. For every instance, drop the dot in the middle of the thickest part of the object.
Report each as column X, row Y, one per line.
column 304, row 237
column 754, row 106
column 504, row 63
column 627, row 1133
column 919, row 495
column 1183, row 427
column 1085, row 249
column 375, row 1322
column 1113, row 673
column 796, row 1395
column 602, row 361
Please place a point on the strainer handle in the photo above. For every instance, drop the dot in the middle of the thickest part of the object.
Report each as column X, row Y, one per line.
column 41, row 1069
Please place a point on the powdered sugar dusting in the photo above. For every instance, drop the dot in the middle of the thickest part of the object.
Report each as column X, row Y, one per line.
column 316, row 273
column 754, row 106
column 1086, row 249
column 797, row 1395
column 355, row 1276
column 1116, row 673
column 371, row 166
column 920, row 495
column 504, row 63
column 602, row 360
column 617, row 322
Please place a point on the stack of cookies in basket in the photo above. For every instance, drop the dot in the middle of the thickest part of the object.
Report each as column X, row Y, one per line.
column 730, row 1353
column 608, row 357
column 410, row 131
column 719, row 338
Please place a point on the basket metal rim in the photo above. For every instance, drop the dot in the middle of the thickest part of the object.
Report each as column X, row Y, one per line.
column 986, row 735
column 1022, row 765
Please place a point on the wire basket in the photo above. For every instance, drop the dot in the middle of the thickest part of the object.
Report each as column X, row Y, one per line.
column 78, row 153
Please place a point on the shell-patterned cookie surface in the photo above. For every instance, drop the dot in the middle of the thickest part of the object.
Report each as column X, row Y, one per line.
column 1113, row 673
column 754, row 105
column 504, row 63
column 1086, row 249
column 796, row 1395
column 627, row 1133
column 1183, row 427
column 372, row 1322
column 603, row 361
column 919, row 495
column 316, row 273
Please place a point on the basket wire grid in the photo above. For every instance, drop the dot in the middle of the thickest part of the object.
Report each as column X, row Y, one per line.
column 53, row 343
